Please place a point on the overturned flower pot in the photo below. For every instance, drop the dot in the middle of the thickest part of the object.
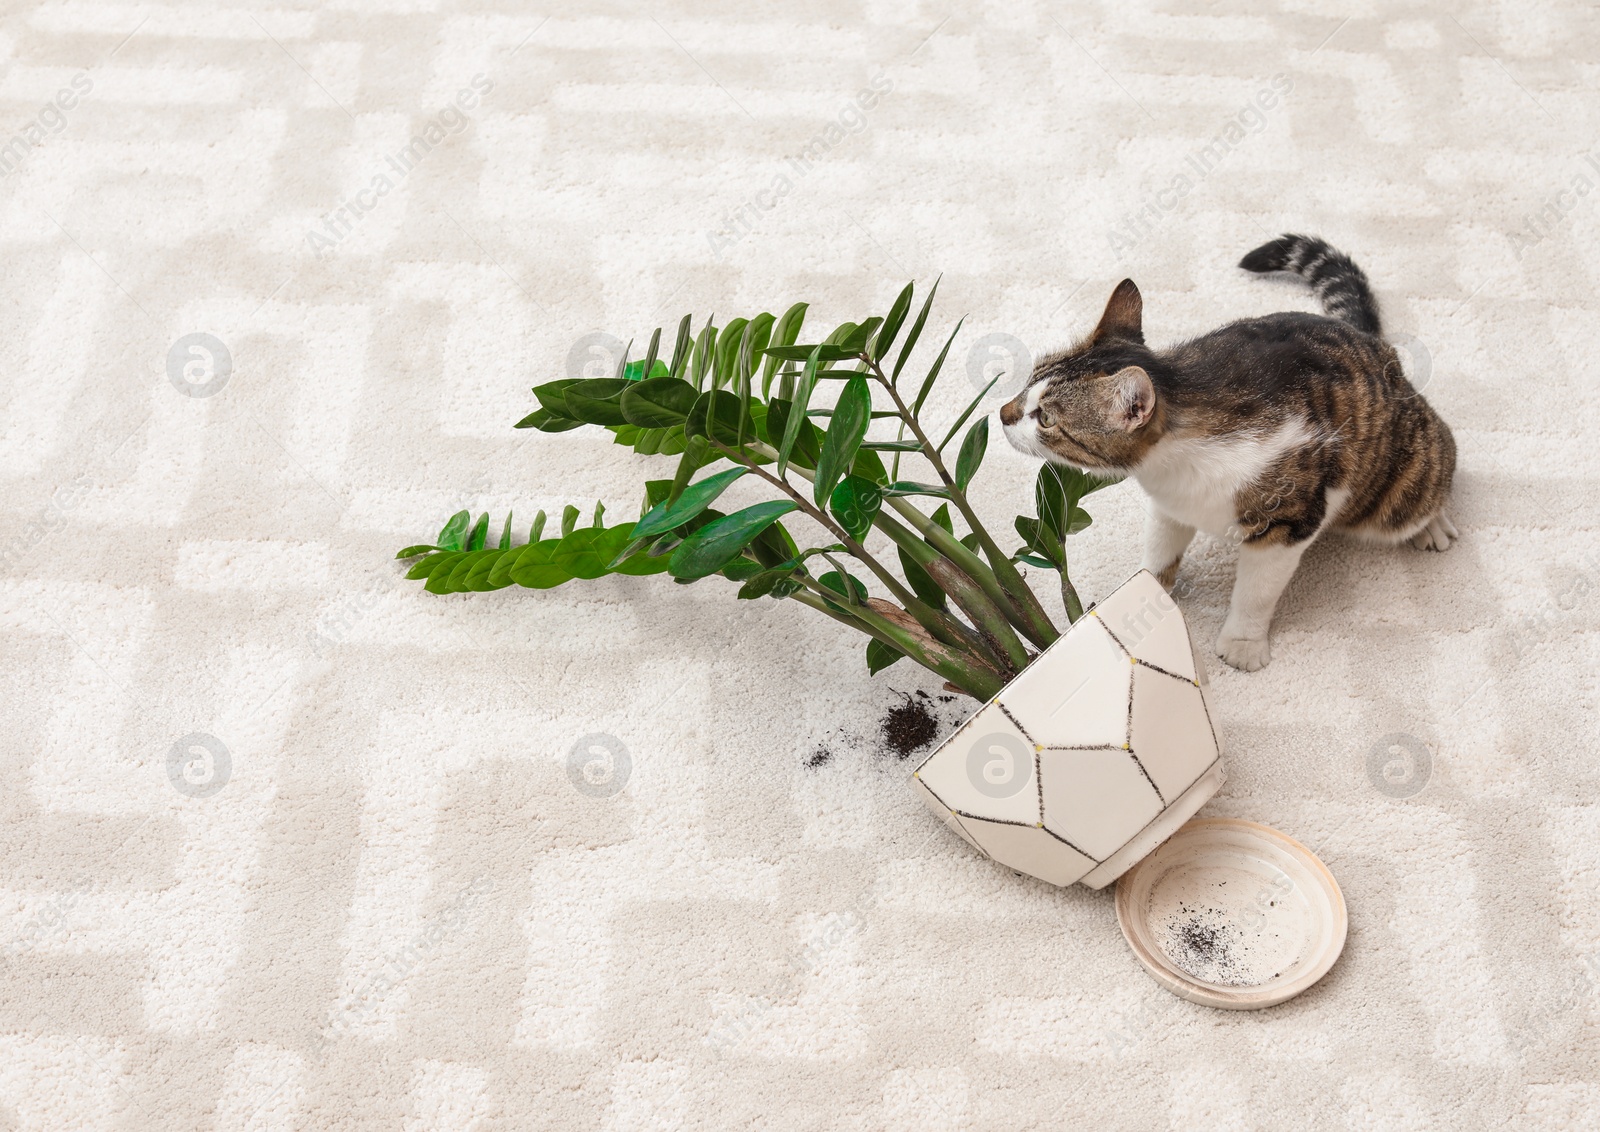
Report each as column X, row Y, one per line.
column 1094, row 755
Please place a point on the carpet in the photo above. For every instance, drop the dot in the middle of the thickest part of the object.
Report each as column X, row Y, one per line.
column 287, row 843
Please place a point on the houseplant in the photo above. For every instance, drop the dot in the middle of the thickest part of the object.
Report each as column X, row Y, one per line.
column 799, row 418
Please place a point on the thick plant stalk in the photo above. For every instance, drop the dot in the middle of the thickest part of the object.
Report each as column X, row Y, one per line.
column 985, row 615
column 966, row 673
column 1033, row 620
column 938, row 624
column 952, row 548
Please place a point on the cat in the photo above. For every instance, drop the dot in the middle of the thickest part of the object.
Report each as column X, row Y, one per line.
column 1268, row 430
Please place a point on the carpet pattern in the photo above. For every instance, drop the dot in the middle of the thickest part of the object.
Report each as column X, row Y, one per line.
column 286, row 843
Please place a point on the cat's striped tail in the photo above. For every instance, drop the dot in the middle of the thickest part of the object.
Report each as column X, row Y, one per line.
column 1339, row 283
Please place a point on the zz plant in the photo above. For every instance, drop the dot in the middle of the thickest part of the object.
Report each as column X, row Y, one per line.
column 746, row 395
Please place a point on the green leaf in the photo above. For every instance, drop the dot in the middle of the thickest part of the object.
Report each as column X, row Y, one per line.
column 680, row 348
column 534, row 568
column 846, row 585
column 546, row 421
column 891, row 324
column 500, row 575
column 453, row 536
column 659, row 402
column 855, row 503
column 972, row 449
column 696, row 498
column 552, row 395
column 808, row 443
column 587, row 553
column 911, row 487
column 933, row 374
column 647, row 367
column 795, row 423
column 783, row 334
column 622, row 362
column 634, row 371
column 971, row 407
column 441, row 570
column 596, row 400
column 426, row 566
column 727, row 352
column 1033, row 560
column 723, row 408
column 920, row 581
column 505, row 534
column 716, row 544
column 881, row 656
column 869, row 466
column 942, row 518
column 479, row 578
column 1078, row 520
column 916, row 332
column 538, row 527
column 846, row 429
column 1040, row 538
column 480, row 533
column 569, row 520
column 891, row 446
column 827, row 352
column 767, row 583
column 741, row 570
column 855, row 339
column 413, row 551
column 705, row 348
column 599, row 514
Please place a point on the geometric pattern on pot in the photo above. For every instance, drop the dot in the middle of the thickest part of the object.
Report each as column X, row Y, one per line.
column 1146, row 622
column 1086, row 747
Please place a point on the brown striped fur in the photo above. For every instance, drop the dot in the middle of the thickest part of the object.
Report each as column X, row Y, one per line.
column 1270, row 430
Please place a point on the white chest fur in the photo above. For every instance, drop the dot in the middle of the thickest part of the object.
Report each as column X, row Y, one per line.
column 1195, row 479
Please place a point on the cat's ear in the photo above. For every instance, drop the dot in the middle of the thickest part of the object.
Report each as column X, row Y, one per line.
column 1124, row 317
column 1133, row 398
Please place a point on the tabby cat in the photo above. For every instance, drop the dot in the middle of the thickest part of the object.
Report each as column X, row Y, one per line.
column 1269, row 431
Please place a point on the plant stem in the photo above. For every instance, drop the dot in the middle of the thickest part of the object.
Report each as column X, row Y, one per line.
column 975, row 679
column 985, row 615
column 943, row 627
column 1031, row 617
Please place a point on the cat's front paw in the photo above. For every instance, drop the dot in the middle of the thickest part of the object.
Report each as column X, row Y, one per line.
column 1244, row 653
column 1437, row 535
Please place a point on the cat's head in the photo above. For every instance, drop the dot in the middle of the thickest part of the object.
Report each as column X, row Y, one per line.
column 1093, row 406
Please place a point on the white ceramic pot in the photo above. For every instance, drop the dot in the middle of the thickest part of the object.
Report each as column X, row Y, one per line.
column 1094, row 755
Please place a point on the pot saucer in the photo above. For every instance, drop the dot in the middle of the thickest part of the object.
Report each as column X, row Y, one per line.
column 1232, row 914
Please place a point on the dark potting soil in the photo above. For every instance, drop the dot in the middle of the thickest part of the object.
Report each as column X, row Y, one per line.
column 1205, row 943
column 909, row 727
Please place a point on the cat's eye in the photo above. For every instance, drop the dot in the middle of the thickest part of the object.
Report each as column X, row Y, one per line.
column 1045, row 419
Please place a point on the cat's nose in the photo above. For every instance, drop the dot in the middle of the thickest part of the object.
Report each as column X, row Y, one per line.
column 1011, row 411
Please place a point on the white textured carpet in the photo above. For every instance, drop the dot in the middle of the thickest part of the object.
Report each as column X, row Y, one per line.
column 391, row 908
